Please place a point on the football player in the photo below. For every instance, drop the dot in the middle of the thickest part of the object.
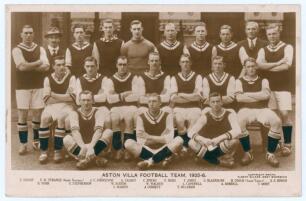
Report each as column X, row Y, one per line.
column 170, row 51
column 275, row 63
column 200, row 51
column 186, row 87
column 123, row 99
column 137, row 49
column 59, row 97
column 94, row 82
column 155, row 140
column 78, row 51
column 90, row 136
column 215, row 133
column 220, row 82
column 154, row 81
column 106, row 50
column 253, row 93
column 31, row 66
column 229, row 50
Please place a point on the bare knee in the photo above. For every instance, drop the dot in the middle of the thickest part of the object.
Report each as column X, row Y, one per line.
column 129, row 144
column 176, row 144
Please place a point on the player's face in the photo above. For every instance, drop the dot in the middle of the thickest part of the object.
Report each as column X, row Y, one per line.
column 122, row 66
column 225, row 35
column 200, row 33
column 170, row 32
column 185, row 64
column 251, row 30
column 154, row 103
column 91, row 68
column 136, row 30
column 53, row 40
column 217, row 66
column 250, row 68
column 154, row 62
column 215, row 103
column 273, row 35
column 86, row 101
column 108, row 29
column 79, row 34
column 59, row 67
column 27, row 35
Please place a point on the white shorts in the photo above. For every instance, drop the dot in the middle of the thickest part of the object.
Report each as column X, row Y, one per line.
column 30, row 99
column 187, row 113
column 264, row 116
column 57, row 110
column 280, row 100
column 124, row 111
column 144, row 143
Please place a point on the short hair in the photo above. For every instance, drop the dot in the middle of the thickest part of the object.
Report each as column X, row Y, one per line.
column 91, row 58
column 253, row 23
column 78, row 26
column 273, row 26
column 214, row 94
column 154, row 54
column 59, row 57
column 121, row 57
column 200, row 24
column 218, row 58
column 135, row 22
column 108, row 20
column 85, row 92
column 186, row 56
column 170, row 24
column 225, row 26
column 155, row 95
column 27, row 26
column 249, row 59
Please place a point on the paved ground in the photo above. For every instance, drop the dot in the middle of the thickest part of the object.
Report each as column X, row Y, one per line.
column 30, row 161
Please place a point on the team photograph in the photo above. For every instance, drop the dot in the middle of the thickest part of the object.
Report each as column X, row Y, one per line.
column 169, row 91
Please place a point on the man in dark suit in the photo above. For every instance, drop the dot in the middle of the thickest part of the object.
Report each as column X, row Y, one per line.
column 252, row 44
column 53, row 48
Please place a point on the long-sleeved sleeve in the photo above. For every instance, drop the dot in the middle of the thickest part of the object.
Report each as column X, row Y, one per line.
column 47, row 89
column 169, row 131
column 198, row 85
column 17, row 56
column 78, row 90
column 289, row 54
column 231, row 88
column 261, row 56
column 173, row 85
column 206, row 89
column 96, row 54
column 242, row 55
column 43, row 56
column 68, row 60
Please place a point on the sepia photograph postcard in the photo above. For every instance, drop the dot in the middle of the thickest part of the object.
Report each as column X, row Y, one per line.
column 153, row 100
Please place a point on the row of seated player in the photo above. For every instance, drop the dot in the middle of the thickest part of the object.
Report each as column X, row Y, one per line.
column 181, row 115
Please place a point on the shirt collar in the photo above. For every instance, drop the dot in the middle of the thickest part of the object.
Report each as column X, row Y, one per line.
column 254, row 41
column 52, row 48
column 108, row 40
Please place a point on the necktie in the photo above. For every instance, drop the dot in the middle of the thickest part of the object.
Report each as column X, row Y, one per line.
column 53, row 52
column 252, row 45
